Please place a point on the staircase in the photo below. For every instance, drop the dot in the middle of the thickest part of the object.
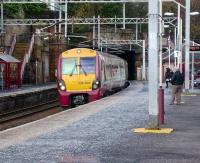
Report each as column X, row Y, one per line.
column 20, row 50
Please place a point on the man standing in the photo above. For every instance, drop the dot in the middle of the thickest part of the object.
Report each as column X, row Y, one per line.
column 177, row 86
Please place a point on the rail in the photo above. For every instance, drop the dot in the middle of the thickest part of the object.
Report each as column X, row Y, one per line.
column 27, row 56
column 4, row 117
column 14, row 40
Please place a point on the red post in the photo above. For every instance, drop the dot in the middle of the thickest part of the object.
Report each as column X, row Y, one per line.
column 161, row 105
column 8, row 77
column 18, row 75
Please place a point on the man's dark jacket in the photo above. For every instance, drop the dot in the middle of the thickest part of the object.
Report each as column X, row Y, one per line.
column 177, row 78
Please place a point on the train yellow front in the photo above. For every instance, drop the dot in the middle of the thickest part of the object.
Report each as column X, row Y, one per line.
column 86, row 75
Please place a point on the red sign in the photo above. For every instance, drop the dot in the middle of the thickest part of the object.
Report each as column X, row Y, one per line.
column 194, row 48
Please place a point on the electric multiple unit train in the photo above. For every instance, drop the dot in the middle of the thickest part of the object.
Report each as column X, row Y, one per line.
column 86, row 75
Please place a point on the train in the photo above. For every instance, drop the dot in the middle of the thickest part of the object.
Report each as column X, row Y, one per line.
column 85, row 75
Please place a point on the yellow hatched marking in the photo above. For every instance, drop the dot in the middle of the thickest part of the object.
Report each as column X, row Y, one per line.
column 158, row 131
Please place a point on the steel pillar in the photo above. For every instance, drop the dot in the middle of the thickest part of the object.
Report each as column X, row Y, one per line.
column 115, row 23
column 66, row 11
column 93, row 41
column 181, row 46
column 169, row 52
column 153, row 63
column 187, row 46
column 136, row 31
column 143, row 61
column 60, row 17
column 160, row 44
column 124, row 15
column 99, row 39
column 1, row 17
column 192, row 74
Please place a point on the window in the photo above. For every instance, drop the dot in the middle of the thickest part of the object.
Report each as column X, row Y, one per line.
column 69, row 66
column 87, row 65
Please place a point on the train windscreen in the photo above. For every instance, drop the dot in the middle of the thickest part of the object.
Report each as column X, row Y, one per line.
column 87, row 65
column 69, row 66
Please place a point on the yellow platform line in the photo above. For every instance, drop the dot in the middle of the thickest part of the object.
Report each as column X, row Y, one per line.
column 156, row 131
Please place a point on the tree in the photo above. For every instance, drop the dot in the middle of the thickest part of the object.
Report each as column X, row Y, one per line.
column 90, row 10
column 23, row 10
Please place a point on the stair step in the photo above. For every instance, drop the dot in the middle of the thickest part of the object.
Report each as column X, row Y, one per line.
column 20, row 50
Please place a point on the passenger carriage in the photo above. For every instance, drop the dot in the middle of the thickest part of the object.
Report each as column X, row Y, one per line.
column 86, row 75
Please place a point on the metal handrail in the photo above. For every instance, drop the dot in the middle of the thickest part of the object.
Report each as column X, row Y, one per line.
column 27, row 56
column 14, row 40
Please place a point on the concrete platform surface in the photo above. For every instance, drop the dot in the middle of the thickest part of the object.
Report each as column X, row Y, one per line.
column 102, row 132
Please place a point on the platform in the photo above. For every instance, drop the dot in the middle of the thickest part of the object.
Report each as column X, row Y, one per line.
column 27, row 96
column 101, row 131
column 27, row 89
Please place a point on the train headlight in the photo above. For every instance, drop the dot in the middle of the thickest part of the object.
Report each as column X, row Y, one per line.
column 61, row 85
column 95, row 84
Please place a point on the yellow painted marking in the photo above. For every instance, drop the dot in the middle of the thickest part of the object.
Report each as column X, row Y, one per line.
column 188, row 94
column 158, row 131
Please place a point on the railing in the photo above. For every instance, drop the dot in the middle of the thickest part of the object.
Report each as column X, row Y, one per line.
column 27, row 56
column 14, row 40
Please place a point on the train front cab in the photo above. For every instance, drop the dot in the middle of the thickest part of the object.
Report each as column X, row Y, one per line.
column 78, row 74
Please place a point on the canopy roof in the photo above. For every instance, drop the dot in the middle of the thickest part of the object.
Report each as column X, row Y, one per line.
column 8, row 58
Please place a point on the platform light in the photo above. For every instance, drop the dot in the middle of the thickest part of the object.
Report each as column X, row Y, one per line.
column 169, row 14
column 194, row 13
column 166, row 26
column 172, row 14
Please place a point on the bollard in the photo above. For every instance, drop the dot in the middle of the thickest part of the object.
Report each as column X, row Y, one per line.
column 161, row 105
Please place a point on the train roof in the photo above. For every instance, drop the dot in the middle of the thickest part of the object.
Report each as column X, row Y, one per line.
column 109, row 55
column 97, row 52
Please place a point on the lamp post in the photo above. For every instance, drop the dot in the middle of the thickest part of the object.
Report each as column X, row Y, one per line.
column 1, row 17
column 169, row 51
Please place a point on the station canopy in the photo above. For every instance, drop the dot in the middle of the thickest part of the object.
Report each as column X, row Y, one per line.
column 8, row 58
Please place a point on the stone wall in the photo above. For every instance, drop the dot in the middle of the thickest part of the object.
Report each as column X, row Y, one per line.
column 20, row 101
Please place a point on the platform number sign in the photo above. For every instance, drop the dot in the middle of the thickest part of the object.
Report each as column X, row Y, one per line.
column 176, row 53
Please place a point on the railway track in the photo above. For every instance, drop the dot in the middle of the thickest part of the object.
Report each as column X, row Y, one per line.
column 25, row 115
